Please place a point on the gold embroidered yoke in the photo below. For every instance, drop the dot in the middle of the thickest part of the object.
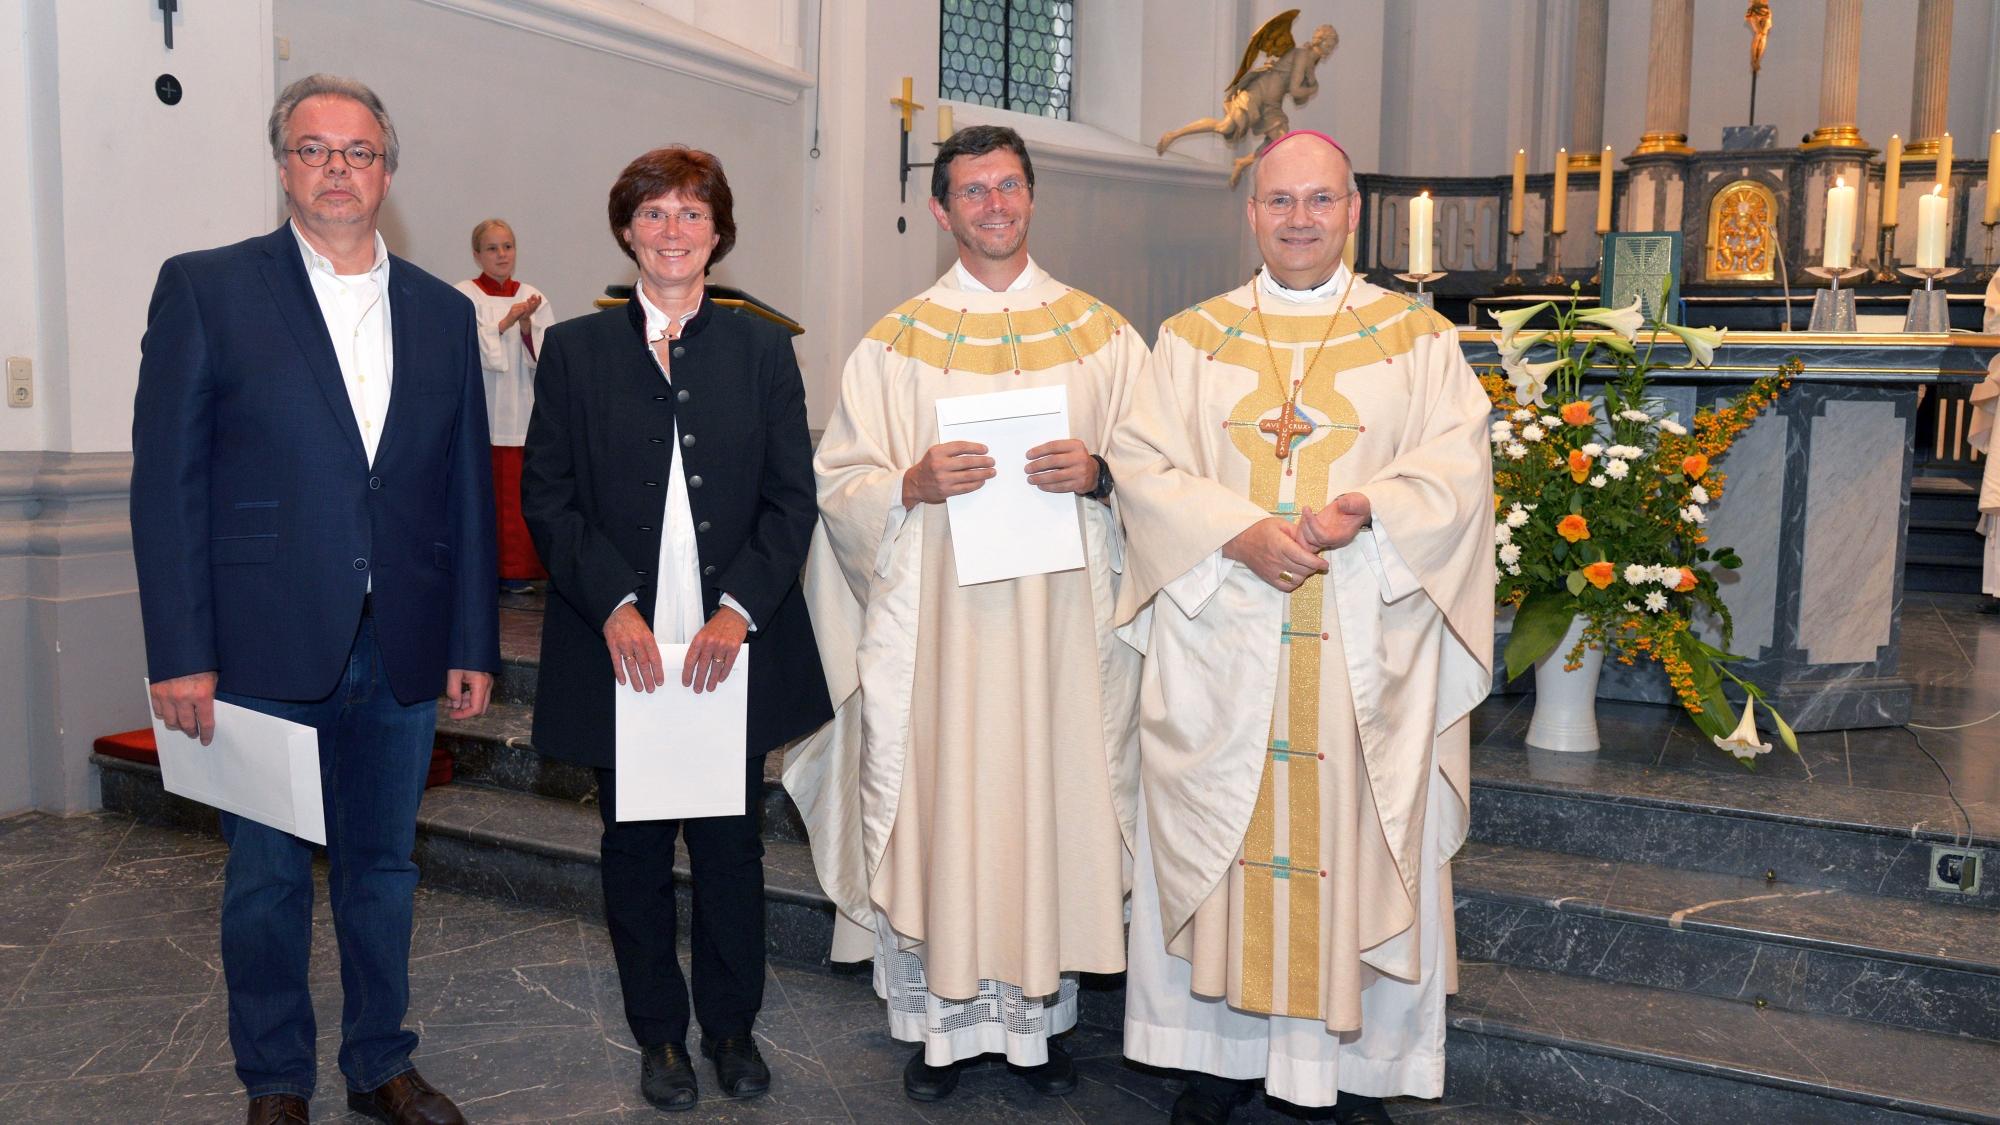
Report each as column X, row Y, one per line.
column 1287, row 797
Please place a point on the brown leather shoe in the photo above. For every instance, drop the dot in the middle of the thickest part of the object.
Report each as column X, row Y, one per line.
column 406, row 1100
column 278, row 1109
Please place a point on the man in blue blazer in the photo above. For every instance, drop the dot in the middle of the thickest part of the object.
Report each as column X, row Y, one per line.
column 312, row 518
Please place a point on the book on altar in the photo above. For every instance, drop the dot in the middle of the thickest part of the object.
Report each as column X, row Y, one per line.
column 1007, row 527
column 258, row 766
column 680, row 754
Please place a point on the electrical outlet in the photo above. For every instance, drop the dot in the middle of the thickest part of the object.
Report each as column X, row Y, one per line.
column 20, row 381
column 1955, row 869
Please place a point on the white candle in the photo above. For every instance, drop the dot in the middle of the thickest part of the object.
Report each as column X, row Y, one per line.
column 1933, row 220
column 1839, row 248
column 1604, row 191
column 1559, row 220
column 1420, row 233
column 1517, row 214
column 944, row 123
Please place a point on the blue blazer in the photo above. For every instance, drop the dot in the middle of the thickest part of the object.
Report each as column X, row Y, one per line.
column 257, row 521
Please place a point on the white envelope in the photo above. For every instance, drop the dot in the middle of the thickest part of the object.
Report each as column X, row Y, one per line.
column 260, row 767
column 681, row 755
column 1008, row 528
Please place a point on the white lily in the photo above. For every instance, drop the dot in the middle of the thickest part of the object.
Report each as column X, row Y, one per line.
column 1512, row 353
column 1511, row 322
column 1701, row 342
column 1626, row 321
column 1531, row 380
column 1742, row 742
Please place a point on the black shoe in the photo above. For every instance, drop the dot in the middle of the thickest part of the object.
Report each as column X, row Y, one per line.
column 1208, row 1100
column 739, row 1067
column 1056, row 1076
column 925, row 1083
column 1353, row 1109
column 666, row 1077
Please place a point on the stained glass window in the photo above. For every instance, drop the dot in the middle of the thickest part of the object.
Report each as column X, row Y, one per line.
column 1012, row 54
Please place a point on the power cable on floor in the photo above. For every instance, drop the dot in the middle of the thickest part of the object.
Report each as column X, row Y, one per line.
column 1949, row 789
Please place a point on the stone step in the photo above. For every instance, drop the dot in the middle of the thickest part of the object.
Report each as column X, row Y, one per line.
column 495, row 750
column 1945, row 539
column 1942, row 574
column 1604, row 1052
column 1918, row 965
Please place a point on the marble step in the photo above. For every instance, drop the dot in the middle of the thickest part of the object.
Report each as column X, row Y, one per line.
column 1726, row 821
column 495, row 750
column 1942, row 574
column 1917, row 965
column 1603, row 1052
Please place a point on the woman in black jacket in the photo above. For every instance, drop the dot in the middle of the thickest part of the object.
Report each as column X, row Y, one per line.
column 668, row 485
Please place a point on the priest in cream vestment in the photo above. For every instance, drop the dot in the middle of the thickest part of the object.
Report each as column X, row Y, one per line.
column 1305, row 483
column 971, row 805
column 1985, row 398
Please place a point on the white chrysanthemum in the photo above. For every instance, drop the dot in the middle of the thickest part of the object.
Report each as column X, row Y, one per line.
column 1693, row 514
column 1551, row 421
column 1510, row 554
column 1517, row 517
column 1626, row 452
column 1616, row 470
column 1591, row 449
column 1636, row 573
column 1635, row 415
column 1630, row 607
column 1597, row 481
column 1502, row 533
column 1516, row 451
column 1523, row 416
column 1668, row 576
column 1673, row 427
column 1656, row 601
column 1533, row 432
column 1698, row 494
column 1513, row 568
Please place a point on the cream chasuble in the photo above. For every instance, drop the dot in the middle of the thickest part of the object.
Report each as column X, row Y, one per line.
column 1979, row 434
column 1304, row 757
column 977, row 785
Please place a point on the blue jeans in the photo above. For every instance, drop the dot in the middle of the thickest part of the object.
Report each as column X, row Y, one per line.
column 374, row 754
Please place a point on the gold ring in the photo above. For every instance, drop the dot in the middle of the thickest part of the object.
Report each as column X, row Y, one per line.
column 1287, row 576
column 716, row 659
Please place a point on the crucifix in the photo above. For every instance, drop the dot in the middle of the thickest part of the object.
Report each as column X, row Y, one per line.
column 1287, row 426
column 909, row 107
column 167, row 8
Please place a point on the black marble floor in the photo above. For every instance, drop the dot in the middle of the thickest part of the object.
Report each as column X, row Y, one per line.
column 112, row 1009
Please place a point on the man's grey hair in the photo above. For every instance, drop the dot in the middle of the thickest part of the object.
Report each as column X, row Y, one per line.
column 331, row 85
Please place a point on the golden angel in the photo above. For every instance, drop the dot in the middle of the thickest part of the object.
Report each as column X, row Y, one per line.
column 1254, row 101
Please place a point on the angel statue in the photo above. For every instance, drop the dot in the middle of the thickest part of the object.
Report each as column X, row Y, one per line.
column 1254, row 101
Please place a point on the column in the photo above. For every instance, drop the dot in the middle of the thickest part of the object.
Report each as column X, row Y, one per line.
column 1586, row 116
column 1668, row 69
column 1840, row 78
column 1932, row 83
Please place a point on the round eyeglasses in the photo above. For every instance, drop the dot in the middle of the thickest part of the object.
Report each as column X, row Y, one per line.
column 1319, row 203
column 314, row 155
column 977, row 193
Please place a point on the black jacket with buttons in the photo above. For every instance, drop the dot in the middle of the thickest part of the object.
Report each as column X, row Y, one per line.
column 594, row 482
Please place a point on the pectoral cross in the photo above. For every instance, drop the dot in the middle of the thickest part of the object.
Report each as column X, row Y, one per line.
column 1287, row 426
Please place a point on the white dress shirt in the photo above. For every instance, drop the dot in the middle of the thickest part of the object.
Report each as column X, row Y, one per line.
column 356, row 310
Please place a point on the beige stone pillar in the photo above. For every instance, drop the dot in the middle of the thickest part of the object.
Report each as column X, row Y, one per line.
column 1931, row 86
column 1586, row 115
column 1840, row 78
column 1668, row 70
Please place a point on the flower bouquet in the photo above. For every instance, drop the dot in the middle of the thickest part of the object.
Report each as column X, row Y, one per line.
column 1600, row 507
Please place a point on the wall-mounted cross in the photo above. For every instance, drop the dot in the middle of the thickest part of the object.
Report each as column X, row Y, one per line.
column 167, row 8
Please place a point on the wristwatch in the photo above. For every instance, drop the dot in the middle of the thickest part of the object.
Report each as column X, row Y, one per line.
column 1104, row 481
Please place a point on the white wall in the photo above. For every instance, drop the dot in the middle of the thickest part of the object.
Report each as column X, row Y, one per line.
column 19, row 429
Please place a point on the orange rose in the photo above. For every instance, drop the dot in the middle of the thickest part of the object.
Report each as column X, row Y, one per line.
column 1573, row 528
column 1579, row 464
column 1694, row 466
column 1576, row 414
column 1599, row 573
column 1687, row 581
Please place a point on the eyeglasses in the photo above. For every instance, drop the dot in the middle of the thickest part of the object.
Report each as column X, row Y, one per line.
column 977, row 193
column 654, row 217
column 1319, row 203
column 316, row 155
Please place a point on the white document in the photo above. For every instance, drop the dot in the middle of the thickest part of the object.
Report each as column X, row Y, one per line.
column 260, row 767
column 681, row 755
column 1007, row 527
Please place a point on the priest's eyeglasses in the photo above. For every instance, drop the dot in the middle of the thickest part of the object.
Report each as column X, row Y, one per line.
column 314, row 155
column 1319, row 203
column 654, row 217
column 976, row 194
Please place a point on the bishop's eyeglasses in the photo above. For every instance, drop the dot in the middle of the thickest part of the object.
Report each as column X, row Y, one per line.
column 1319, row 202
column 975, row 194
column 315, row 155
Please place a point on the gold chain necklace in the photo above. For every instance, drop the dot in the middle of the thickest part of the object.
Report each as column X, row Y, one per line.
column 1288, row 425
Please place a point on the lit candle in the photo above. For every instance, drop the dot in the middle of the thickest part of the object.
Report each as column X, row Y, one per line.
column 1992, row 173
column 1933, row 219
column 944, row 123
column 1944, row 162
column 1420, row 233
column 1892, row 181
column 1517, row 214
column 1604, row 191
column 1559, row 220
column 1839, row 248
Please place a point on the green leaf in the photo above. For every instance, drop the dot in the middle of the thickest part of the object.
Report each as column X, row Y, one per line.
column 1539, row 626
column 1575, row 582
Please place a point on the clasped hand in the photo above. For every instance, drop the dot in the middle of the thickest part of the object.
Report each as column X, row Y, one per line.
column 1284, row 555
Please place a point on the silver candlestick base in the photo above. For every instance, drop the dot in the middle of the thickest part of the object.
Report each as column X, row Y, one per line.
column 1833, row 307
column 1420, row 280
column 1928, row 310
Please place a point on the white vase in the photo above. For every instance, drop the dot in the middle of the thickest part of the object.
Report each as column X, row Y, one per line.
column 1566, row 701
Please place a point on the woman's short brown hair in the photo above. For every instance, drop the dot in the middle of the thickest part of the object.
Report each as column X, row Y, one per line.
column 676, row 168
